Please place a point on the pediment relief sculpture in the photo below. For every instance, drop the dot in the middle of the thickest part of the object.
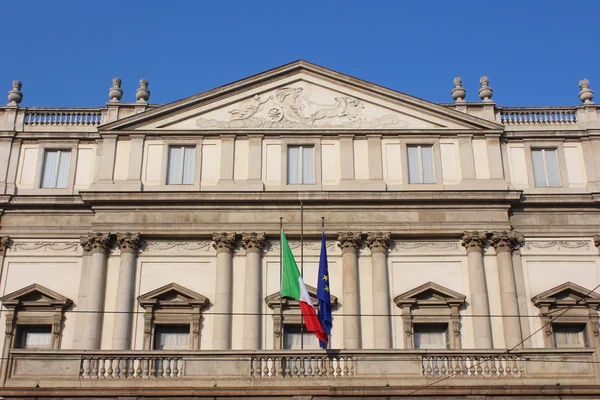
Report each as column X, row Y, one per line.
column 301, row 105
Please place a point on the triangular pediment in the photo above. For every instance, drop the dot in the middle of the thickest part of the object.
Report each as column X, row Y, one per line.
column 300, row 96
column 274, row 299
column 430, row 292
column 172, row 295
column 567, row 293
column 34, row 294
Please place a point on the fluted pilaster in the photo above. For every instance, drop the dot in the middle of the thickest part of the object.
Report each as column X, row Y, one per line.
column 253, row 243
column 349, row 242
column 223, row 242
column 379, row 243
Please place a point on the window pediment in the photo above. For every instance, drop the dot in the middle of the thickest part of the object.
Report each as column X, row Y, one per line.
column 35, row 295
column 430, row 294
column 173, row 296
column 273, row 299
column 567, row 294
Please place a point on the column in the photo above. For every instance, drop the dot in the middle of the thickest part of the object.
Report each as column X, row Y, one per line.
column 128, row 243
column 223, row 243
column 504, row 243
column 349, row 242
column 474, row 242
column 379, row 242
column 97, row 244
column 253, row 243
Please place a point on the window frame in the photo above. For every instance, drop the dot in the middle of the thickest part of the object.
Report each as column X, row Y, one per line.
column 544, row 151
column 36, row 187
column 56, row 172
column 284, row 143
column 159, row 327
column 167, row 143
column 182, row 147
column 301, row 148
column 418, row 325
column 528, row 145
column 23, row 329
column 582, row 333
column 419, row 148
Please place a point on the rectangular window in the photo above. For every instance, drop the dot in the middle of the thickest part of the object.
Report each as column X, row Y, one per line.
column 182, row 163
column 431, row 336
column 545, row 167
column 293, row 338
column 301, row 165
column 568, row 335
column 55, row 173
column 171, row 337
column 34, row 337
column 420, row 164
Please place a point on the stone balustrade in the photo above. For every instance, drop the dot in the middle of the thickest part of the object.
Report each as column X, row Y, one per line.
column 62, row 117
column 67, row 368
column 547, row 117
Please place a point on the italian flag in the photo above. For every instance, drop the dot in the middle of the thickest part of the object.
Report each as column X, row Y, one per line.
column 292, row 286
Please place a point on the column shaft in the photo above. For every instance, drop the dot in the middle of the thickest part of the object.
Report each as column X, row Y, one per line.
column 350, row 242
column 253, row 243
column 480, row 305
column 379, row 243
column 223, row 288
column 504, row 242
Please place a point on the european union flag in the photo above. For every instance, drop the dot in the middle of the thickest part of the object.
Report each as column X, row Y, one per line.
column 323, row 295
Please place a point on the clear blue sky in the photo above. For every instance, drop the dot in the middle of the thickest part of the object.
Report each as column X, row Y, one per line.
column 66, row 52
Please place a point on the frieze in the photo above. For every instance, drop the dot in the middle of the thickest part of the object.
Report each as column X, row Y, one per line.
column 558, row 244
column 431, row 246
column 18, row 246
column 316, row 246
column 178, row 245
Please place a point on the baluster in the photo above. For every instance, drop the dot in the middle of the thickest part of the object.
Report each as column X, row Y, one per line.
column 436, row 367
column 427, row 366
column 338, row 367
column 478, row 368
column 168, row 370
column 494, row 370
column 102, row 371
column 175, row 369
column 302, row 367
column 351, row 361
column 501, row 366
column 265, row 362
column 444, row 363
column 130, row 367
column 515, row 366
column 288, row 371
column 152, row 362
column 486, row 365
column 94, row 362
column 273, row 366
column 138, row 369
column 252, row 365
column 317, row 366
column 294, row 367
column 86, row 367
column 109, row 370
column 345, row 370
column 145, row 368
column 463, row 366
column 161, row 370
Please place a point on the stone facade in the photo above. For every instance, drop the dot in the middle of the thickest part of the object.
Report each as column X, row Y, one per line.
column 140, row 243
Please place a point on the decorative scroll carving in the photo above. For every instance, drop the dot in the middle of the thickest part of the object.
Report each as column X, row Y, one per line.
column 253, row 242
column 474, row 241
column 425, row 245
column 378, row 242
column 316, row 246
column 95, row 242
column 295, row 107
column 128, row 242
column 578, row 244
column 349, row 242
column 506, row 241
column 47, row 246
column 223, row 242
column 183, row 245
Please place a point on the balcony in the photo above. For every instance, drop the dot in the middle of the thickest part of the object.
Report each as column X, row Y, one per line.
column 359, row 371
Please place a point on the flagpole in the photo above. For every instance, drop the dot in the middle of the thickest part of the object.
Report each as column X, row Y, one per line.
column 302, row 268
column 280, row 283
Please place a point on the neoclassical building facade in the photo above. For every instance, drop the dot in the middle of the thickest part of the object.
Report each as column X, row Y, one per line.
column 140, row 253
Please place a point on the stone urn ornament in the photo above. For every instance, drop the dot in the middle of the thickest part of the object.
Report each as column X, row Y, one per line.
column 15, row 96
column 142, row 93
column 485, row 91
column 115, row 92
column 458, row 92
column 585, row 94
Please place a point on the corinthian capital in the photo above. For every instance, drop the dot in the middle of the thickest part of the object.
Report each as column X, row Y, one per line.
column 474, row 241
column 223, row 242
column 253, row 242
column 378, row 242
column 506, row 241
column 4, row 243
column 349, row 242
column 128, row 242
column 597, row 240
column 95, row 242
